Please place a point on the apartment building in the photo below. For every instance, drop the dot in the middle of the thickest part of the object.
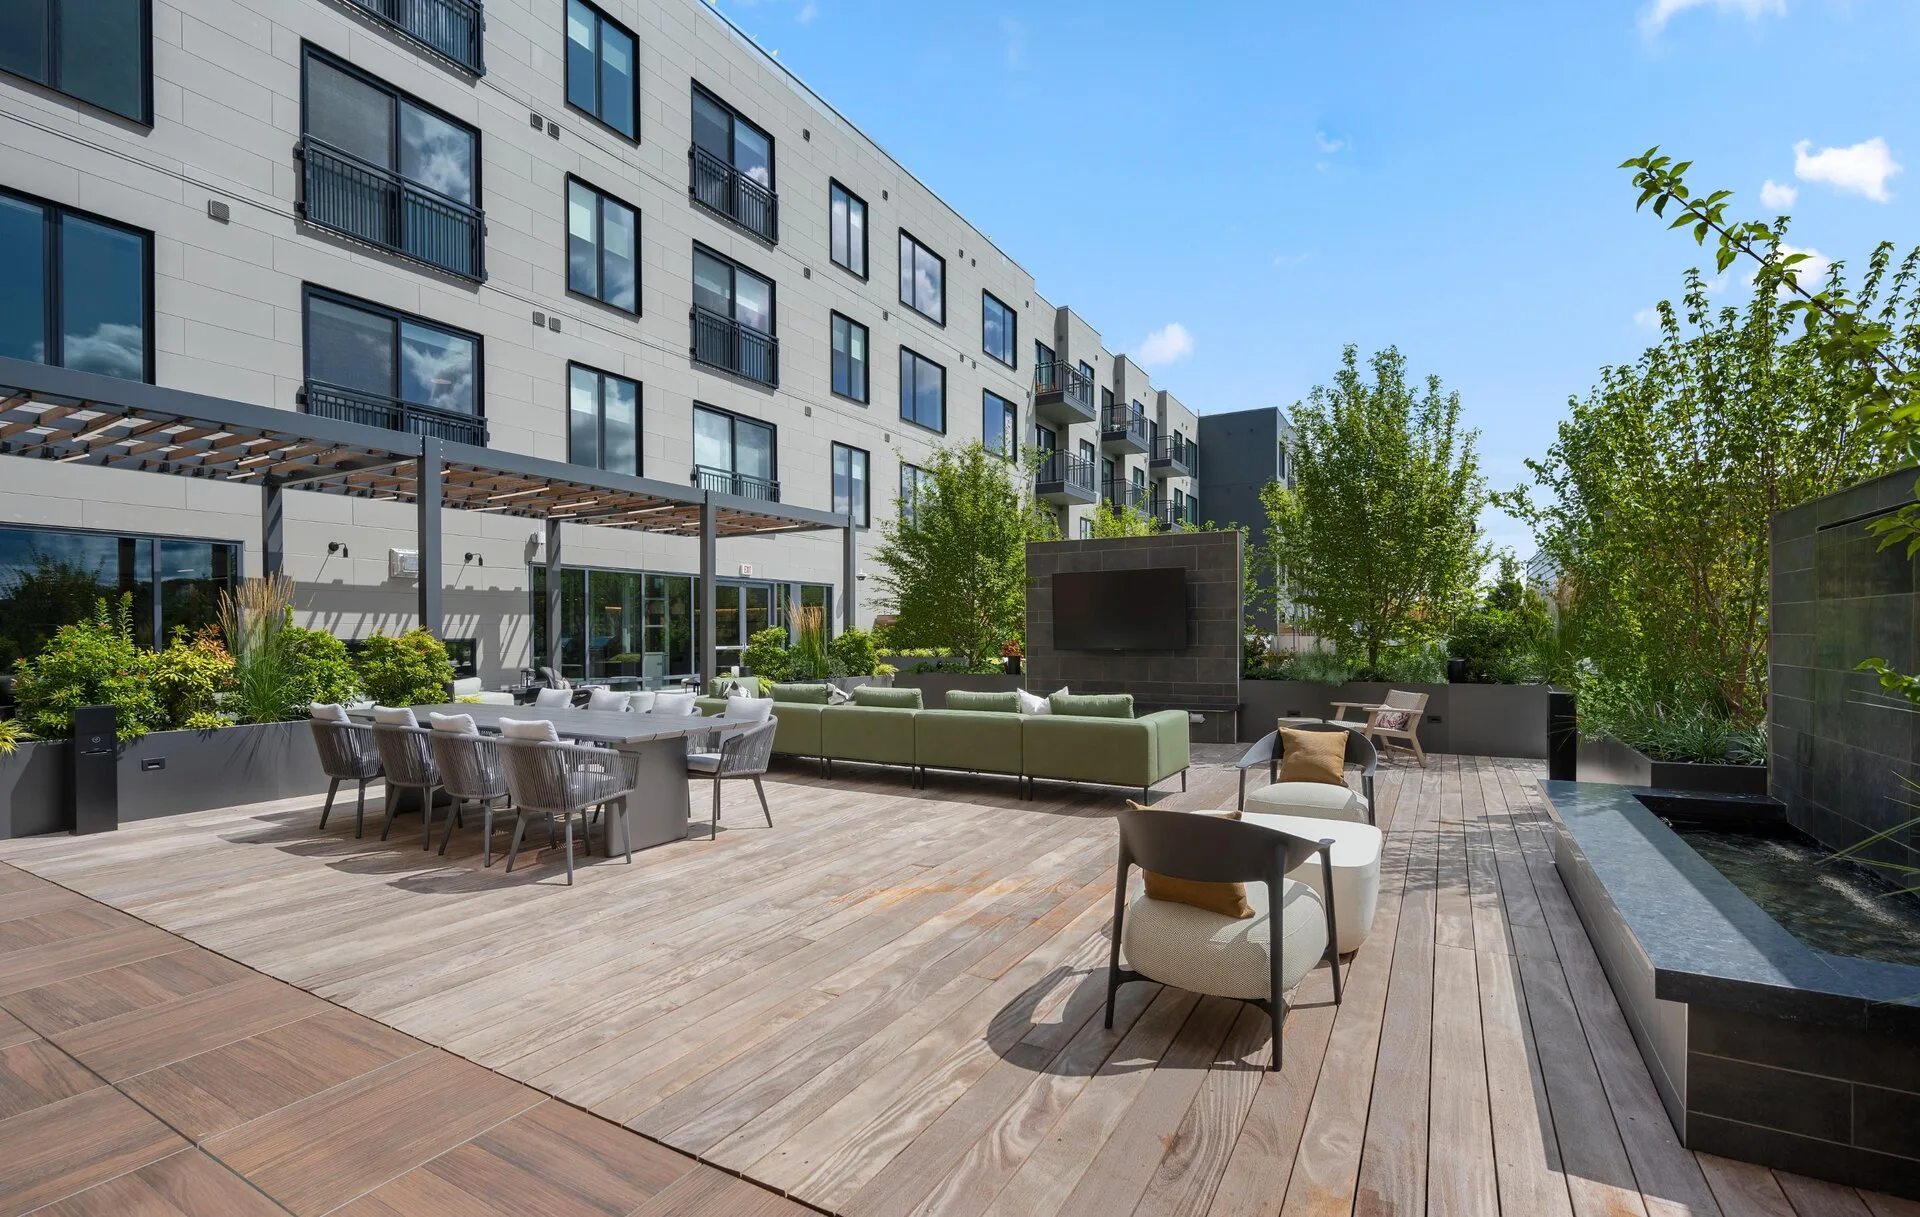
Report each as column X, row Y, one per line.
column 616, row 235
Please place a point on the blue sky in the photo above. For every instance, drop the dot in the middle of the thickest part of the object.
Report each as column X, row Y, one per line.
column 1278, row 180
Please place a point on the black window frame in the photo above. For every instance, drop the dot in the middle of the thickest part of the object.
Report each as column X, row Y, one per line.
column 733, row 440
column 903, row 501
column 52, row 296
column 866, row 231
column 733, row 289
column 866, row 481
column 1013, row 331
column 835, row 315
column 600, row 409
column 905, row 395
column 309, row 290
column 1009, row 410
column 923, row 247
column 566, row 50
column 733, row 137
column 53, row 32
column 600, row 244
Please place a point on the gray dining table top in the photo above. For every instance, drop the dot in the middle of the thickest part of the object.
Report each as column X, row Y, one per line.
column 613, row 726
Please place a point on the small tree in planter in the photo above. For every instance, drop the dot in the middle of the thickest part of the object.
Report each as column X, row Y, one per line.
column 852, row 653
column 766, row 654
column 410, row 670
column 95, row 662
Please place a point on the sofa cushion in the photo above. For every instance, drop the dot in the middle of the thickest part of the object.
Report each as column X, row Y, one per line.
column 606, row 699
column 892, row 699
column 881, row 734
column 640, row 701
column 458, row 724
column 1092, row 705
column 984, row 700
column 327, row 712
column 1307, row 755
column 1322, row 800
column 753, row 709
column 1204, row 952
column 805, row 694
column 967, row 739
column 674, row 705
column 1114, row 751
column 395, row 716
column 538, row 729
column 798, row 732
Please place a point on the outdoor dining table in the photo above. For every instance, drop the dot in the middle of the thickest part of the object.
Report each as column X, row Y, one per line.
column 657, row 810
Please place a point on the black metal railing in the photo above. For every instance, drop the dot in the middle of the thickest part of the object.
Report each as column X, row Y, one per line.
column 1122, row 493
column 450, row 28
column 1174, row 450
column 1065, row 381
column 323, row 400
column 376, row 205
column 1124, row 422
column 721, row 342
column 718, row 186
column 746, row 486
column 1062, row 471
column 1171, row 514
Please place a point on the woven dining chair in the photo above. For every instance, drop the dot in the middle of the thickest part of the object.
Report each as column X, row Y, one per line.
column 405, row 755
column 558, row 780
column 347, row 754
column 743, row 754
column 471, row 771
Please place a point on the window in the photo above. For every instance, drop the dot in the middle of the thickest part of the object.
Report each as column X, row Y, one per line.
column 923, row 279
column 1042, row 354
column 603, row 420
column 1087, row 454
column 373, row 365
column 847, row 218
column 923, row 391
column 380, row 166
column 602, row 237
column 997, row 329
column 733, row 166
column 1086, row 528
column 51, row 578
column 1000, row 425
column 850, row 483
column 849, row 358
column 733, row 318
column 79, row 290
column 1086, row 376
column 1106, row 406
column 1047, row 440
column 734, row 455
column 95, row 50
column 913, row 480
column 603, row 78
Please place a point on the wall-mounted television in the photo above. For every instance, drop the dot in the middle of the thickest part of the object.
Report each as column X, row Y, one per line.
column 1120, row 610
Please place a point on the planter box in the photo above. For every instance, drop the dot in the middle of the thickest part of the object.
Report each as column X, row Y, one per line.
column 167, row 773
column 1610, row 761
column 923, row 663
column 1467, row 719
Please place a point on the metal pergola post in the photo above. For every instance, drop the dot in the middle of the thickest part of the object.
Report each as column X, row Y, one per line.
column 426, row 504
column 850, row 575
column 272, row 528
column 709, row 653
column 553, row 595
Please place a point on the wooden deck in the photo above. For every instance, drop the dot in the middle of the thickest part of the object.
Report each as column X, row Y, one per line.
column 889, row 1003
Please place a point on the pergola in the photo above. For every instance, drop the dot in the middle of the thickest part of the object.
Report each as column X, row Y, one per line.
column 84, row 418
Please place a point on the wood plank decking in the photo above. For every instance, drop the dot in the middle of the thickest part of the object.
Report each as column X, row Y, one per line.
column 890, row 1003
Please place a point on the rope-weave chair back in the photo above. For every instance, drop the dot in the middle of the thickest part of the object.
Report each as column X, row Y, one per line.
column 404, row 754
column 469, row 765
column 536, row 774
column 747, row 754
column 1403, row 699
column 347, row 750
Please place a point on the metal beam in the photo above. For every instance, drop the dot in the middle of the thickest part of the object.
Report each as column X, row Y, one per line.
column 272, row 529
column 553, row 595
column 850, row 575
column 426, row 506
column 709, row 654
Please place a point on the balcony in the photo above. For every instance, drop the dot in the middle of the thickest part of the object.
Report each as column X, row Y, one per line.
column 721, row 342
column 742, row 485
column 1172, row 515
column 323, row 400
column 450, row 29
column 1173, row 456
column 719, row 187
column 1061, row 394
column 339, row 191
column 1122, row 494
column 1064, row 479
column 1123, row 431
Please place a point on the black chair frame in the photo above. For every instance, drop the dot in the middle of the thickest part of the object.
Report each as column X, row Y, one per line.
column 1270, row 750
column 1213, row 849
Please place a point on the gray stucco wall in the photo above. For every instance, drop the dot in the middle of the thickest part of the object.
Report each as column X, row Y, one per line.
column 1238, row 458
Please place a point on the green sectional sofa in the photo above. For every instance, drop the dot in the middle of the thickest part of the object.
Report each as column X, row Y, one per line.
column 1093, row 746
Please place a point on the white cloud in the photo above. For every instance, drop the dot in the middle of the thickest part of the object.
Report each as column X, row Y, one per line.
column 1811, row 272
column 1662, row 11
column 1776, row 196
column 1327, row 143
column 1647, row 318
column 807, row 13
column 1862, row 169
column 1168, row 344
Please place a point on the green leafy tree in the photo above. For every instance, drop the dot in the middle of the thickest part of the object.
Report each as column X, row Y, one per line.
column 954, row 561
column 1501, row 636
column 766, row 654
column 852, row 653
column 1113, row 521
column 1378, row 537
column 322, row 669
column 1661, row 483
column 410, row 670
column 92, row 662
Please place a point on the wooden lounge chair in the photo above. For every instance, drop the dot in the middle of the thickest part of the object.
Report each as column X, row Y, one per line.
column 1397, row 718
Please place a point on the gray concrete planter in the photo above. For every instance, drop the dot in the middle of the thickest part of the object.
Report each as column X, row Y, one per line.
column 1610, row 761
column 935, row 686
column 167, row 773
column 1467, row 719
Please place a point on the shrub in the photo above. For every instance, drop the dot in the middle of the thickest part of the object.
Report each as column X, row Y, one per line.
column 322, row 669
column 1320, row 667
column 1503, row 637
column 809, row 651
column 95, row 662
column 410, row 670
column 190, row 677
column 1412, row 664
column 12, row 732
column 766, row 654
column 853, row 651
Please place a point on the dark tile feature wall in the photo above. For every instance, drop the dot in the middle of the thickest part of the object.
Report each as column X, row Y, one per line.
column 1839, row 747
column 1205, row 677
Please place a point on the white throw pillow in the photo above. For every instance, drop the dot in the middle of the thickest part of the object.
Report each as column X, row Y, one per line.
column 459, row 724
column 674, row 705
column 529, row 729
column 754, row 709
column 640, row 702
column 553, row 699
column 1033, row 703
column 837, row 696
column 606, row 699
column 327, row 712
column 395, row 716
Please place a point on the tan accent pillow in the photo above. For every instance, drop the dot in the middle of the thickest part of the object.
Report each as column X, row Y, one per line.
column 1226, row 899
column 1313, row 756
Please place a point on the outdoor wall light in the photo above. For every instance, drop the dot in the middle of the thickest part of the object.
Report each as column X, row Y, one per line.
column 477, row 559
column 337, row 549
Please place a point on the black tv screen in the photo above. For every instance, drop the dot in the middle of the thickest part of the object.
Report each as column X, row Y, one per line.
column 1120, row 610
